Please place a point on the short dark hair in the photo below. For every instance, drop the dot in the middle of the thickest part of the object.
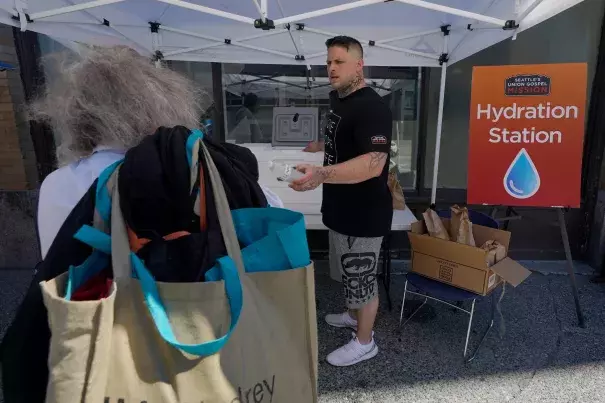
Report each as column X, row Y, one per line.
column 345, row 42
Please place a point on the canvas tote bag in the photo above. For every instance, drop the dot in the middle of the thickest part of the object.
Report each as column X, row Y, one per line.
column 249, row 337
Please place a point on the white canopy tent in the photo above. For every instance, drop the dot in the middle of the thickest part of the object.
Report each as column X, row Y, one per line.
column 393, row 32
column 295, row 87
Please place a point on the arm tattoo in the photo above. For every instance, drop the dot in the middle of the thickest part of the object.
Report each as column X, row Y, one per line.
column 376, row 158
column 326, row 173
column 321, row 175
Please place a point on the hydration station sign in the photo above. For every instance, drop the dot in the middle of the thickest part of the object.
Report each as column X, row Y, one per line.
column 527, row 135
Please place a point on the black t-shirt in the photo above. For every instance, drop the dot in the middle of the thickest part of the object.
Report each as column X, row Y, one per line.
column 358, row 124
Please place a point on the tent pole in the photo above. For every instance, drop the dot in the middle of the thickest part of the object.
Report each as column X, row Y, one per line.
column 439, row 122
column 139, row 47
column 155, row 44
column 409, row 36
column 528, row 10
column 193, row 49
column 72, row 9
column 208, row 10
column 455, row 11
column 259, row 49
column 408, row 51
column 326, row 11
column 234, row 42
column 378, row 44
column 264, row 9
column 314, row 55
column 221, row 42
column 258, row 7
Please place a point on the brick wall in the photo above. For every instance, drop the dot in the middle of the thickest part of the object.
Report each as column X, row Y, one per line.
column 18, row 169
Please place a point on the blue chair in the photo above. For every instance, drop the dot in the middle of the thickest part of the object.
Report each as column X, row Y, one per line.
column 447, row 294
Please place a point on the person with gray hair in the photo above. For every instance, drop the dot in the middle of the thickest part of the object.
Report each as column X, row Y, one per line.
column 111, row 98
column 101, row 103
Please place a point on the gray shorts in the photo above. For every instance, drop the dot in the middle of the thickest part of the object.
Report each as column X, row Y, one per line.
column 357, row 261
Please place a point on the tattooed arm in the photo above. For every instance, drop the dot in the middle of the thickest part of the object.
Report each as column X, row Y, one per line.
column 356, row 170
column 372, row 141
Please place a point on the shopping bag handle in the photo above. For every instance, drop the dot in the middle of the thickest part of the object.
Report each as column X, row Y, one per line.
column 77, row 275
column 223, row 211
column 99, row 259
column 94, row 238
column 97, row 237
column 125, row 264
column 298, row 256
column 286, row 225
column 233, row 290
column 102, row 193
column 229, row 266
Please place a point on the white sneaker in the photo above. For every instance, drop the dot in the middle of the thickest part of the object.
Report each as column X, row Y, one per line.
column 342, row 320
column 352, row 353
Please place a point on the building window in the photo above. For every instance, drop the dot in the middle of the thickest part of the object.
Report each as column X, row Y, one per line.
column 201, row 74
column 258, row 96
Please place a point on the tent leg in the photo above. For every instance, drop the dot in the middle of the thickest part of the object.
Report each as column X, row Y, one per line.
column 439, row 126
column 570, row 268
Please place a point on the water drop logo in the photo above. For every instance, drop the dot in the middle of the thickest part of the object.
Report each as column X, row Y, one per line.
column 522, row 180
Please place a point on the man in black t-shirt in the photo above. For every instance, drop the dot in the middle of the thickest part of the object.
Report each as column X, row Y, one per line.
column 357, row 205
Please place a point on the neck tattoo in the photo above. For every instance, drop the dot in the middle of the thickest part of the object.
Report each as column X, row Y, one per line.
column 353, row 86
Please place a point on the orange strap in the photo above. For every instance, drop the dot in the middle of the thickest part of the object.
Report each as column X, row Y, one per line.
column 137, row 243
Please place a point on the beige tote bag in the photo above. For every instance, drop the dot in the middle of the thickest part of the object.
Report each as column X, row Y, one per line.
column 112, row 350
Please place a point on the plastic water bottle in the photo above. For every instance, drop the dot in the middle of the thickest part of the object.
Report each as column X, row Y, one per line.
column 284, row 172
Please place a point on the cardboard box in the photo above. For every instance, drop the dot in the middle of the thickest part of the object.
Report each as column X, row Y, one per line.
column 461, row 265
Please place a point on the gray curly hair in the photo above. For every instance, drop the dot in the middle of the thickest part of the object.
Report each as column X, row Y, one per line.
column 112, row 97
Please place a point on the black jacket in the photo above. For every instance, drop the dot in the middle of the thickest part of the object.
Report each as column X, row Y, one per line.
column 155, row 201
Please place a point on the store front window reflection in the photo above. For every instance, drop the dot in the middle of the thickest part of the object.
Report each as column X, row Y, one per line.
column 259, row 97
column 263, row 102
column 244, row 127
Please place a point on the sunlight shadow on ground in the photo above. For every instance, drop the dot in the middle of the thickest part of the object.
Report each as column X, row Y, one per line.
column 542, row 349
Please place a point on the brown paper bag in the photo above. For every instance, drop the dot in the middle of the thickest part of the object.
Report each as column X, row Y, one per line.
column 461, row 228
column 434, row 225
column 495, row 252
column 396, row 191
column 115, row 350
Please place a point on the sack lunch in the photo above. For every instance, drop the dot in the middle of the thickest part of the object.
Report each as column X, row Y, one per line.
column 461, row 227
column 396, row 191
column 434, row 225
column 246, row 333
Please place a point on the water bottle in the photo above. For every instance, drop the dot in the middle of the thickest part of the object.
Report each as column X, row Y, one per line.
column 284, row 172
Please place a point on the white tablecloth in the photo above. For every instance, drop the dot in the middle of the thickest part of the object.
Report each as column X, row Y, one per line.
column 402, row 221
column 308, row 203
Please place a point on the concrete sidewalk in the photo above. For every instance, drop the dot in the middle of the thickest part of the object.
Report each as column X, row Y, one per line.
column 543, row 356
